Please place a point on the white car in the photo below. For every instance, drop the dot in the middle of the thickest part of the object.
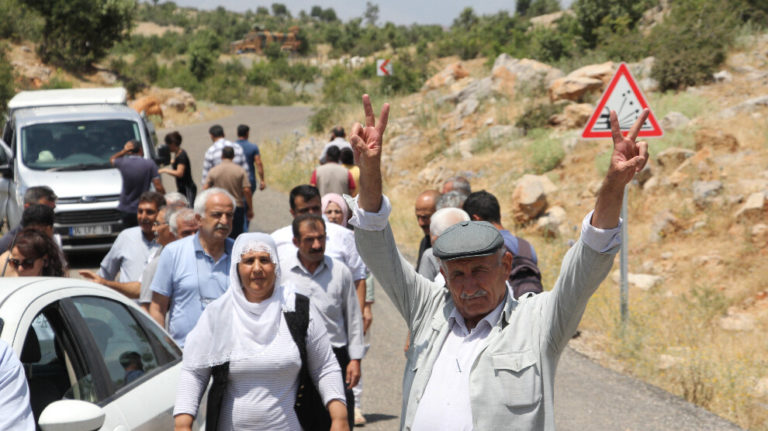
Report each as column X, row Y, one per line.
column 93, row 359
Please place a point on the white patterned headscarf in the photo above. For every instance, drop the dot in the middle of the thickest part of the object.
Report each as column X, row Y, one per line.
column 232, row 328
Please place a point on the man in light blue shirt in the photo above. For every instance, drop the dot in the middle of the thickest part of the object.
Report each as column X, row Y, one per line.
column 194, row 271
column 15, row 412
column 131, row 250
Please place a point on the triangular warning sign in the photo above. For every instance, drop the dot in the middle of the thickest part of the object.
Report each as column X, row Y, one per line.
column 623, row 96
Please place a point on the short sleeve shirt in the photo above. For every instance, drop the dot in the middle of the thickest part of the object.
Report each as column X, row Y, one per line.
column 191, row 279
column 186, row 179
column 137, row 173
column 231, row 178
column 250, row 150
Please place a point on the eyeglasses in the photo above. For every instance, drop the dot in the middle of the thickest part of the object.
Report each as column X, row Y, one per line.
column 157, row 223
column 26, row 263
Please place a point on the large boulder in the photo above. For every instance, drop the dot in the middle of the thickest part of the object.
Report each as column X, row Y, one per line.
column 573, row 88
column 447, row 76
column 526, row 70
column 592, row 78
column 753, row 209
column 674, row 121
column 149, row 105
column 705, row 191
column 577, row 115
column 715, row 139
column 552, row 223
column 746, row 107
column 529, row 199
column 673, row 157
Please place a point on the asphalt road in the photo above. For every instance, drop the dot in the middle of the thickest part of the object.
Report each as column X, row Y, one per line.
column 587, row 396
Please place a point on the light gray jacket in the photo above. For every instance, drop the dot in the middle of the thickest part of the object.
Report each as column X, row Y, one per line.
column 512, row 380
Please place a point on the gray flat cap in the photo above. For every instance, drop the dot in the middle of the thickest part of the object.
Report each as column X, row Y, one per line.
column 467, row 239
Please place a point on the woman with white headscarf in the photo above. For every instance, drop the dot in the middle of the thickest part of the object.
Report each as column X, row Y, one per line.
column 246, row 332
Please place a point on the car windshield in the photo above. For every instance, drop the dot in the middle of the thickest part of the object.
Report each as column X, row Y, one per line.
column 74, row 146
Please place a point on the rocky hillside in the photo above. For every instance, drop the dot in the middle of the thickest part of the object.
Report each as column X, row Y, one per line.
column 698, row 220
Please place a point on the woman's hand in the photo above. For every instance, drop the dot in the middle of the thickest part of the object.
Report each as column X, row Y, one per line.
column 338, row 412
column 183, row 422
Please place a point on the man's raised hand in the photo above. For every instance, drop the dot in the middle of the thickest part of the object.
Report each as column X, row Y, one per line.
column 366, row 141
column 628, row 157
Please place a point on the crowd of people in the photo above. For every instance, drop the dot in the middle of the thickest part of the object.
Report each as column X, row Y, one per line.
column 279, row 321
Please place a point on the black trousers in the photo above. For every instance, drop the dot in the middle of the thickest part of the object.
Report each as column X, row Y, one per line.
column 343, row 357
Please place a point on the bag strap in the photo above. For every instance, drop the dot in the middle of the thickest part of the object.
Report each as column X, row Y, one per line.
column 220, row 375
column 524, row 248
column 298, row 322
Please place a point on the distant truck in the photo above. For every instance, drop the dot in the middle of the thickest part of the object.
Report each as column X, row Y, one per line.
column 64, row 139
column 257, row 40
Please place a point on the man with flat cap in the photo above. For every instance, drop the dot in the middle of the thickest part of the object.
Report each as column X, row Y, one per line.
column 479, row 359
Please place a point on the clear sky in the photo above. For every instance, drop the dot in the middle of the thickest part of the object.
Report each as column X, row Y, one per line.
column 398, row 11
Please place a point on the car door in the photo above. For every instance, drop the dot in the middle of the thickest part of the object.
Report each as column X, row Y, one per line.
column 142, row 364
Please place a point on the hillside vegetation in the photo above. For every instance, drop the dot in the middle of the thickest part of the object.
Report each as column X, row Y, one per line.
column 502, row 99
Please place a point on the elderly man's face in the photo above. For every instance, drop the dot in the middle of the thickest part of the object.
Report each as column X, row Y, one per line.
column 477, row 284
column 186, row 228
column 161, row 229
column 218, row 218
column 425, row 207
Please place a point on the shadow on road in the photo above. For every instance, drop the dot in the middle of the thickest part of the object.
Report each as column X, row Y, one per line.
column 377, row 417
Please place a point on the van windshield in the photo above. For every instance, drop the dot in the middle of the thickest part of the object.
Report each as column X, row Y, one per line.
column 74, row 146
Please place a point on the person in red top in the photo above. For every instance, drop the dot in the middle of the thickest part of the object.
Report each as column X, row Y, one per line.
column 332, row 177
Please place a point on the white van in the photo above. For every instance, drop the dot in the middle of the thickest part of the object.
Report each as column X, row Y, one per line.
column 64, row 139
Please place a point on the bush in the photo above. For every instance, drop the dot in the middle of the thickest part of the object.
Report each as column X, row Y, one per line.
column 537, row 116
column 544, row 153
column 692, row 42
column 260, row 74
column 322, row 119
column 6, row 80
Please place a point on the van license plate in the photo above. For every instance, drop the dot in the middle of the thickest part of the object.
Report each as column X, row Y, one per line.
column 99, row 229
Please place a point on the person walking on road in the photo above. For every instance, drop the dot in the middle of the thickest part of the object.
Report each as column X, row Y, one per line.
column 234, row 179
column 332, row 177
column 193, row 271
column 479, row 359
column 213, row 153
column 253, row 159
column 138, row 175
column 181, row 167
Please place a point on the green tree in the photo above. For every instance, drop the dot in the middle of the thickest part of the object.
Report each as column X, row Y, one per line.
column 541, row 7
column 592, row 14
column 280, row 10
column 77, row 33
column 202, row 60
column 371, row 14
column 522, row 6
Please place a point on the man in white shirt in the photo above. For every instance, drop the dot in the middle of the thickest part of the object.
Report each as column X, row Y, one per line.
column 480, row 359
column 213, row 154
column 340, row 241
column 328, row 284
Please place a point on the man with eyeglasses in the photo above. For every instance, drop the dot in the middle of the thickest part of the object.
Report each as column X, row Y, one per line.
column 193, row 271
column 166, row 230
column 131, row 250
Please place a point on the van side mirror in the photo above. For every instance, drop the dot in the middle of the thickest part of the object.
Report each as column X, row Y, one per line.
column 71, row 415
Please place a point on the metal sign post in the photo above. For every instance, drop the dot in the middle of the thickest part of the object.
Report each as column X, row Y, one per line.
column 624, row 286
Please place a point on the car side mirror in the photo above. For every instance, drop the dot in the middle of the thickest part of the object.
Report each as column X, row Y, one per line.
column 68, row 415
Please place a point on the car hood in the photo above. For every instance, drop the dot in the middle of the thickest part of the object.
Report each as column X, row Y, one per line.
column 70, row 184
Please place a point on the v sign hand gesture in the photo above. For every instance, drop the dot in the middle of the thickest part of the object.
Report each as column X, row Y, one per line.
column 367, row 145
column 628, row 158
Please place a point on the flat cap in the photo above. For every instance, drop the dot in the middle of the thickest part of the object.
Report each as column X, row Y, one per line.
column 467, row 239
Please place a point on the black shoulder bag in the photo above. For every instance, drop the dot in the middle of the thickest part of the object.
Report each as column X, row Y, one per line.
column 309, row 406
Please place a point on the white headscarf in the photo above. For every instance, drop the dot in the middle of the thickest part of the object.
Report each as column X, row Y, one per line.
column 232, row 328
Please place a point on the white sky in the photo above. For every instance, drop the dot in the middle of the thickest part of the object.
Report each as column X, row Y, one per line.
column 398, row 11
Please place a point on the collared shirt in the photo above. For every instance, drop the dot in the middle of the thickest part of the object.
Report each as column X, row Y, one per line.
column 213, row 156
column 250, row 150
column 331, row 290
column 191, row 279
column 450, row 375
column 15, row 413
column 339, row 244
column 511, row 381
column 129, row 255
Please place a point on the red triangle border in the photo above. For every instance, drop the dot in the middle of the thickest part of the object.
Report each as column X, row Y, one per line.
column 622, row 70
